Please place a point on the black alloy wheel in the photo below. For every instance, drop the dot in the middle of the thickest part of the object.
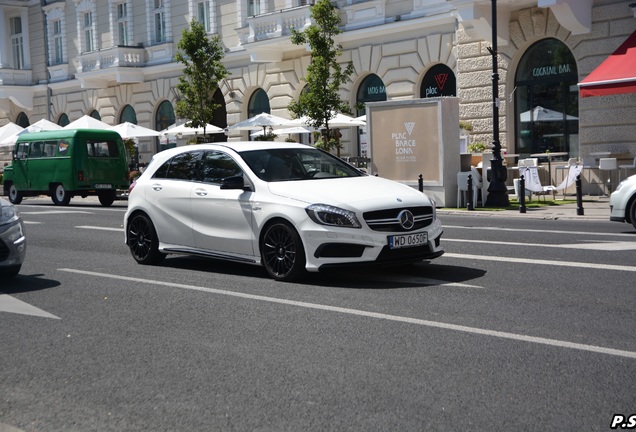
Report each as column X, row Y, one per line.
column 143, row 241
column 282, row 252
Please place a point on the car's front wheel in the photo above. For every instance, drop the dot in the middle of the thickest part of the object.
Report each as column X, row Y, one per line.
column 632, row 212
column 143, row 240
column 282, row 252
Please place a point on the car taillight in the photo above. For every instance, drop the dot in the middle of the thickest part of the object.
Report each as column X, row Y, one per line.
column 131, row 187
column 80, row 175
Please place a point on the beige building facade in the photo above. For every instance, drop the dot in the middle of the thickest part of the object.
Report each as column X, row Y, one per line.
column 114, row 59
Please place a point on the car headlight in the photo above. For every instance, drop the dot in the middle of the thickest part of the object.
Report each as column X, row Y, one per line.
column 324, row 214
column 8, row 214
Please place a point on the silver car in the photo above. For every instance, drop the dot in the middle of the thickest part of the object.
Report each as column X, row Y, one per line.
column 12, row 240
column 623, row 202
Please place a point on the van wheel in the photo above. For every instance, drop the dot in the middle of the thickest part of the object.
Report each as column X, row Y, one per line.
column 106, row 198
column 60, row 195
column 143, row 241
column 15, row 196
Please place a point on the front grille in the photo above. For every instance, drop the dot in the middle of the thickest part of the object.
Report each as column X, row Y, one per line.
column 4, row 251
column 387, row 220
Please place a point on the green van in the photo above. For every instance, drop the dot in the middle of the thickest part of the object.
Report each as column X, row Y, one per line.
column 67, row 163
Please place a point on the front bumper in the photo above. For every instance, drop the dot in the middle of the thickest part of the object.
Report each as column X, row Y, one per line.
column 332, row 248
column 12, row 244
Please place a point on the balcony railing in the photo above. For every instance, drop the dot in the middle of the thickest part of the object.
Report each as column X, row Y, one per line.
column 275, row 24
column 121, row 56
column 16, row 77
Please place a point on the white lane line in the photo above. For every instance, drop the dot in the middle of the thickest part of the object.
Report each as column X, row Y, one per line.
column 54, row 212
column 99, row 228
column 600, row 245
column 13, row 305
column 356, row 312
column 542, row 262
column 587, row 233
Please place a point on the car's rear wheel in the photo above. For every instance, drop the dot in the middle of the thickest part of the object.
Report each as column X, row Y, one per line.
column 60, row 195
column 282, row 252
column 632, row 213
column 143, row 241
column 106, row 198
column 15, row 196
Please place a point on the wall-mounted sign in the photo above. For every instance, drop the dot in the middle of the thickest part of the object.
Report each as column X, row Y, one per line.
column 439, row 81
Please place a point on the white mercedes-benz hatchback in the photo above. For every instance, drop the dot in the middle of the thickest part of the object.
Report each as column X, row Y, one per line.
column 289, row 207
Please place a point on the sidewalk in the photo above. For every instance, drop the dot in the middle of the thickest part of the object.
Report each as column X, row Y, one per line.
column 594, row 208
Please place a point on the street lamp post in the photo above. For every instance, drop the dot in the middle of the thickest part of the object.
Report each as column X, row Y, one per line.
column 497, row 190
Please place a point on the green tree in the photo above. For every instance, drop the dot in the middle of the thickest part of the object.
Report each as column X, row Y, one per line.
column 202, row 73
column 321, row 100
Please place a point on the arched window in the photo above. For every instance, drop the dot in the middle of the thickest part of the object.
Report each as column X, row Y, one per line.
column 22, row 120
column 95, row 115
column 259, row 103
column 371, row 90
column 128, row 115
column 439, row 81
column 220, row 117
column 164, row 117
column 63, row 120
column 547, row 100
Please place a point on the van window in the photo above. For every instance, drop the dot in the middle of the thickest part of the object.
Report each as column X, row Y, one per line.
column 101, row 148
column 36, row 149
column 48, row 149
column 23, row 149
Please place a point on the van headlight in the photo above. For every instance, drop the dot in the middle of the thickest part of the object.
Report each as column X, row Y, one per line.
column 324, row 214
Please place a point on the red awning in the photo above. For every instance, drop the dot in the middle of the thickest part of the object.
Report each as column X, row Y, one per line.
column 616, row 75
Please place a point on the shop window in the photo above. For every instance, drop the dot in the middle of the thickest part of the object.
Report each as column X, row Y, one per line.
column 546, row 100
column 439, row 81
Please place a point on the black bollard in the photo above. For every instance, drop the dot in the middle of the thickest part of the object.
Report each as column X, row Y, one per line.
column 522, row 194
column 420, row 183
column 579, row 196
column 469, row 193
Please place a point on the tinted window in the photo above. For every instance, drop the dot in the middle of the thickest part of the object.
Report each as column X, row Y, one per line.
column 180, row 167
column 296, row 164
column 101, row 148
column 36, row 149
column 216, row 166
column 49, row 148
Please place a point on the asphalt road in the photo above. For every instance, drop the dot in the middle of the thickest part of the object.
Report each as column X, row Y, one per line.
column 521, row 325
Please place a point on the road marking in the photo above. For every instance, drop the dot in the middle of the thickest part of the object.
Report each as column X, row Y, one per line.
column 587, row 233
column 99, row 228
column 542, row 262
column 13, row 305
column 54, row 212
column 367, row 314
column 606, row 246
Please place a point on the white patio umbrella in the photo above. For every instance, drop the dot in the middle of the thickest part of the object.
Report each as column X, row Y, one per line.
column 87, row 122
column 291, row 130
column 262, row 120
column 540, row 114
column 339, row 120
column 8, row 130
column 38, row 126
column 131, row 130
column 187, row 130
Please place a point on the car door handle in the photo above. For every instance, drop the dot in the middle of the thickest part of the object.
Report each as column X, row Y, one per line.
column 201, row 192
column 156, row 187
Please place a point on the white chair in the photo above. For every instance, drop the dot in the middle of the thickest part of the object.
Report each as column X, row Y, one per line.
column 462, row 188
column 626, row 167
column 608, row 164
column 571, row 162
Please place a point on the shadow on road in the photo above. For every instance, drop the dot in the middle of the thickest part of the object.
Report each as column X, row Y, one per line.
column 27, row 283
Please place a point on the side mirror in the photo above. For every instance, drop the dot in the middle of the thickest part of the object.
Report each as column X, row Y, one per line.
column 235, row 182
column 14, row 155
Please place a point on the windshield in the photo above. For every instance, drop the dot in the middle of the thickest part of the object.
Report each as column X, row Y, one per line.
column 296, row 164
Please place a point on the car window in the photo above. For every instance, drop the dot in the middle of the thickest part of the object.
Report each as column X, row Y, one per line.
column 101, row 148
column 36, row 149
column 181, row 167
column 49, row 148
column 23, row 149
column 296, row 164
column 217, row 166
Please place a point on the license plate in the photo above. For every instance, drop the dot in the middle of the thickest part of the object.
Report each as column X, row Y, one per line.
column 103, row 186
column 411, row 240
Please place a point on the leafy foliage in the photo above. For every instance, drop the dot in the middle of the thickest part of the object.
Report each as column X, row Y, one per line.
column 321, row 100
column 202, row 73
